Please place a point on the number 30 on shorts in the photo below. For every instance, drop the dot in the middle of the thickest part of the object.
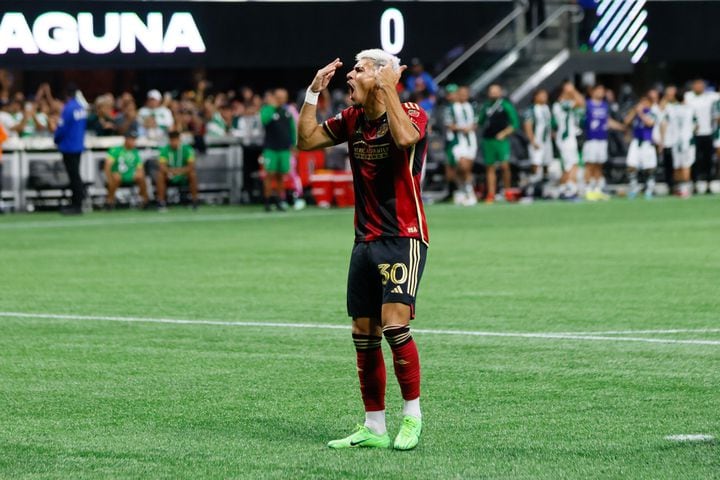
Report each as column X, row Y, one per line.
column 396, row 273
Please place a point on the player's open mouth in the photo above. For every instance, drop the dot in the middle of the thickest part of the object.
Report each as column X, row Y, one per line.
column 351, row 88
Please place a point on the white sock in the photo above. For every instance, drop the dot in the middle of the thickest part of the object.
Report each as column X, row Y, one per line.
column 375, row 421
column 412, row 408
column 601, row 184
column 592, row 185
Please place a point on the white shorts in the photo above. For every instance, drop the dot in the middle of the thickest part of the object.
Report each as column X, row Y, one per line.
column 569, row 155
column 466, row 147
column 595, row 151
column 683, row 158
column 464, row 151
column 641, row 156
column 541, row 156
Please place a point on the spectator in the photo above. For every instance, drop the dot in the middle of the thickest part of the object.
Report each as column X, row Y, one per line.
column 701, row 101
column 417, row 71
column 498, row 120
column 24, row 120
column 154, row 109
column 70, row 140
column 127, row 120
column 3, row 137
column 221, row 122
column 123, row 166
column 422, row 96
column 102, row 121
column 177, row 167
column 280, row 137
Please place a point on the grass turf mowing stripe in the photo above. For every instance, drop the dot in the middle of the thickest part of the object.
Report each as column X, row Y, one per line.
column 157, row 219
column 531, row 335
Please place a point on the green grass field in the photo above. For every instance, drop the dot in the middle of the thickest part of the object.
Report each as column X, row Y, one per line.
column 91, row 395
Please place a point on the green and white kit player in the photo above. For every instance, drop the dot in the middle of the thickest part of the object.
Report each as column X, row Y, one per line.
column 177, row 167
column 461, row 145
column 567, row 112
column 538, row 126
column 123, row 166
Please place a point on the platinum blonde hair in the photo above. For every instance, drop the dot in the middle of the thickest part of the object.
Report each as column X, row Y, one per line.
column 380, row 58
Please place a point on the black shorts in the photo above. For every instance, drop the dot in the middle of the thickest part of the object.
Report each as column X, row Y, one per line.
column 387, row 270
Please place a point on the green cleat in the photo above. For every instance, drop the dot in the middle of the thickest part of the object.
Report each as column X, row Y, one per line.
column 362, row 437
column 409, row 434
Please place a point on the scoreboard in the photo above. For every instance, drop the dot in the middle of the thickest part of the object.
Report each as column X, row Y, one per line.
column 55, row 34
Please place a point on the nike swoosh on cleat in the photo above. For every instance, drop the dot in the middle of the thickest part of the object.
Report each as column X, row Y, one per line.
column 354, row 444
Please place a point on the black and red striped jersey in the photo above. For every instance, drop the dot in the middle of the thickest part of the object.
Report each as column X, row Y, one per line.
column 386, row 178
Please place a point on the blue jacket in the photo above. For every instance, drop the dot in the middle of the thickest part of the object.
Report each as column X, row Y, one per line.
column 70, row 133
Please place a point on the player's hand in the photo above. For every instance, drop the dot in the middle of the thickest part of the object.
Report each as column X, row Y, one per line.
column 535, row 145
column 324, row 75
column 386, row 77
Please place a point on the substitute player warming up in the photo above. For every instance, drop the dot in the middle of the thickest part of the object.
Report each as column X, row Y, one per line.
column 387, row 144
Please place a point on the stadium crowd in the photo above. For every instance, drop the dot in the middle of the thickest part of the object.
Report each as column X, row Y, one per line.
column 566, row 136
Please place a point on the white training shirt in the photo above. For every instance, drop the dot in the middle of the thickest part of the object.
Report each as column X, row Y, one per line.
column 702, row 106
column 566, row 118
column 683, row 122
column 667, row 118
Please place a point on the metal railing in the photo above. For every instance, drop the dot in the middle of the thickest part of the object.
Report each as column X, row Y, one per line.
column 510, row 58
column 492, row 33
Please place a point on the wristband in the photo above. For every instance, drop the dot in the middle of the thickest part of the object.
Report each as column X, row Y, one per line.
column 311, row 97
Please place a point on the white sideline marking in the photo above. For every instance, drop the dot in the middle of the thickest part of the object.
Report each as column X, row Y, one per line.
column 158, row 219
column 474, row 333
column 690, row 438
column 640, row 332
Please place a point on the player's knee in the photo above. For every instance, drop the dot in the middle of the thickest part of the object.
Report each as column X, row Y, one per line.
column 114, row 179
column 366, row 326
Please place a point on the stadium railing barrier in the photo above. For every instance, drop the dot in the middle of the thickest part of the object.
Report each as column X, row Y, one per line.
column 33, row 174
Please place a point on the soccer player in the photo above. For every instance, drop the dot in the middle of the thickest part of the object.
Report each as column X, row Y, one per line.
column 668, row 135
column 641, row 154
column 280, row 133
column 3, row 137
column 538, row 126
column 499, row 120
column 123, row 166
column 177, row 167
column 595, row 148
column 716, row 124
column 702, row 101
column 461, row 125
column 451, row 167
column 683, row 124
column 566, row 111
column 387, row 144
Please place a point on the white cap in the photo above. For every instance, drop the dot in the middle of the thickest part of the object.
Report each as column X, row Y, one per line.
column 154, row 93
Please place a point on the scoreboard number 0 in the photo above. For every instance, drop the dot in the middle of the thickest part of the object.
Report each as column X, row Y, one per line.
column 392, row 31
